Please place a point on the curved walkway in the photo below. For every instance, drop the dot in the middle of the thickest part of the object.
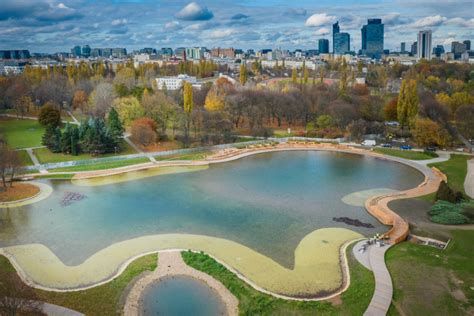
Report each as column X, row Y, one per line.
column 469, row 182
column 170, row 263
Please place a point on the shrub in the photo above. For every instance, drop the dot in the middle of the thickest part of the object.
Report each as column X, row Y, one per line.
column 445, row 193
column 450, row 218
column 443, row 206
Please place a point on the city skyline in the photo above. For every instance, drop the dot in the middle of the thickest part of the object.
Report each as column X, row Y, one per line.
column 51, row 26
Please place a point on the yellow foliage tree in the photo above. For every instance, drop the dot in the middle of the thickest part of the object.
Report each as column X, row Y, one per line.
column 128, row 109
column 428, row 133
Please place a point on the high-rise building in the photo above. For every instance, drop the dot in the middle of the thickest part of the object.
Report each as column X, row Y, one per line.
column 335, row 30
column 323, row 46
column 458, row 49
column 424, row 45
column 438, row 50
column 342, row 43
column 76, row 51
column 372, row 38
column 403, row 47
column 468, row 44
column 194, row 53
column 414, row 49
column 167, row 51
column 86, row 51
column 14, row 54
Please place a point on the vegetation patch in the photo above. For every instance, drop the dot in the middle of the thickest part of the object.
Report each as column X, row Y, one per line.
column 21, row 133
column 103, row 165
column 188, row 156
column 52, row 176
column 455, row 169
column 100, row 300
column 19, row 191
column 407, row 154
column 430, row 281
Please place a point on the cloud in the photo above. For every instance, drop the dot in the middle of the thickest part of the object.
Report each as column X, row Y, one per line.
column 429, row 21
column 194, row 12
column 322, row 31
column 461, row 22
column 296, row 12
column 239, row 16
column 173, row 25
column 320, row 19
column 218, row 34
column 118, row 22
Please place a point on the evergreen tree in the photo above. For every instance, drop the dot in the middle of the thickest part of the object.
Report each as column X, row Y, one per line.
column 66, row 139
column 114, row 125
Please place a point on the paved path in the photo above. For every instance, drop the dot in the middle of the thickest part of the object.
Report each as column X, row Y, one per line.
column 56, row 310
column 469, row 182
column 170, row 263
column 126, row 137
column 35, row 161
column 443, row 156
column 382, row 298
column 362, row 256
column 73, row 117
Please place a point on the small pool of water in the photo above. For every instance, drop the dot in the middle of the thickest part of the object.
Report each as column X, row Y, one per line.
column 181, row 296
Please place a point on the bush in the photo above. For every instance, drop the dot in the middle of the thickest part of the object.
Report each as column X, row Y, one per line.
column 450, row 218
column 443, row 206
column 447, row 194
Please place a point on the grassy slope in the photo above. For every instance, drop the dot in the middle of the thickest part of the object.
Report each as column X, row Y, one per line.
column 407, row 154
column 103, row 165
column 100, row 300
column 429, row 281
column 21, row 133
column 189, row 156
column 24, row 158
column 46, row 156
column 252, row 302
column 455, row 169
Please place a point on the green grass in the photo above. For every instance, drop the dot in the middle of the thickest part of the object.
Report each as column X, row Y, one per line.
column 100, row 300
column 252, row 302
column 190, row 156
column 44, row 155
column 62, row 176
column 455, row 169
column 429, row 281
column 21, row 133
column 103, row 165
column 407, row 154
column 24, row 158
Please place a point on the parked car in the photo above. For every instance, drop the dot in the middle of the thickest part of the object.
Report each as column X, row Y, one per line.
column 405, row 147
column 386, row 145
column 430, row 148
column 368, row 142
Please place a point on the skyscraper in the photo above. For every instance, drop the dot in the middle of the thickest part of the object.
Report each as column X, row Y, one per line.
column 468, row 44
column 76, row 51
column 372, row 38
column 403, row 47
column 86, row 50
column 414, row 48
column 335, row 30
column 323, row 46
column 438, row 50
column 342, row 43
column 424, row 45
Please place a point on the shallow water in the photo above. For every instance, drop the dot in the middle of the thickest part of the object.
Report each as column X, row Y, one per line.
column 181, row 296
column 268, row 202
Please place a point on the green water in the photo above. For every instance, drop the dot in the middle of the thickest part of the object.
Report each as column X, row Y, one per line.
column 181, row 296
column 268, row 202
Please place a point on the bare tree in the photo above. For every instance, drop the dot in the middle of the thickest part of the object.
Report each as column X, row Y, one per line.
column 17, row 298
column 9, row 163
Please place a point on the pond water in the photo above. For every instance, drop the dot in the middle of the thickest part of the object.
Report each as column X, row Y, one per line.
column 267, row 202
column 181, row 296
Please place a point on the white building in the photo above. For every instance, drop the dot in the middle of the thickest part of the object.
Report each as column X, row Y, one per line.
column 424, row 45
column 174, row 83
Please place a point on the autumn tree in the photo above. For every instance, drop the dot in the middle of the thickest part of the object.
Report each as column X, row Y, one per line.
column 294, row 76
column 465, row 120
column 215, row 98
column 144, row 131
column 407, row 104
column 79, row 101
column 49, row 115
column 390, row 110
column 9, row 164
column 101, row 99
column 23, row 105
column 188, row 105
column 243, row 73
column 128, row 109
column 428, row 133
column 161, row 108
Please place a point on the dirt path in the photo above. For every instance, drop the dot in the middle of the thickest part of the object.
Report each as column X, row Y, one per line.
column 170, row 263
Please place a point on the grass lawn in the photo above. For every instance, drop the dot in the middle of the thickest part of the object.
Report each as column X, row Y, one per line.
column 21, row 133
column 189, row 156
column 52, row 176
column 455, row 169
column 46, row 156
column 24, row 158
column 100, row 300
column 407, row 154
column 104, row 165
column 429, row 281
column 251, row 302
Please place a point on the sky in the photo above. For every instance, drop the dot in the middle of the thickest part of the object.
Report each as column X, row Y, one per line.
column 57, row 25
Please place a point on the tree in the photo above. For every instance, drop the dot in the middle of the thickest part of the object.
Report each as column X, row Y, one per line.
column 52, row 138
column 125, row 80
column 325, row 121
column 22, row 105
column 390, row 110
column 294, row 76
column 144, row 131
column 215, row 99
column 101, row 99
column 188, row 105
column 79, row 101
column 70, row 140
column 465, row 120
column 49, row 115
column 114, row 125
column 407, row 104
column 243, row 73
column 428, row 133
column 19, row 299
column 9, row 163
column 128, row 109
column 160, row 108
